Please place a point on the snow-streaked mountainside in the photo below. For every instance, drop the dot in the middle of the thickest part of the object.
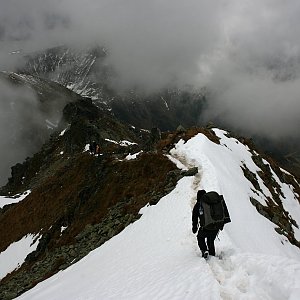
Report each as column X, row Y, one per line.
column 88, row 73
column 157, row 257
column 74, row 69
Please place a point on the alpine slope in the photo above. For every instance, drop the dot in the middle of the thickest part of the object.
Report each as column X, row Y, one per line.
column 157, row 257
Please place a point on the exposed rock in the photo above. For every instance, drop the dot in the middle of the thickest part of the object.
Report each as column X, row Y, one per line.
column 190, row 172
column 251, row 177
column 180, row 129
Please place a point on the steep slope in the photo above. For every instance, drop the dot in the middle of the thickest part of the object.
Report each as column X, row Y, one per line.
column 157, row 257
column 166, row 109
column 76, row 200
column 79, row 70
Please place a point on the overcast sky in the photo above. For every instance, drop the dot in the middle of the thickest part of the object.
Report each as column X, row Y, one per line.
column 246, row 52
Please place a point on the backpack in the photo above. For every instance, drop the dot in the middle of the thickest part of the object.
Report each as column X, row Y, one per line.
column 213, row 210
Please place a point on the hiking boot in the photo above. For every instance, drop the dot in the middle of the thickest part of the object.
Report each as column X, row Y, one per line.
column 205, row 254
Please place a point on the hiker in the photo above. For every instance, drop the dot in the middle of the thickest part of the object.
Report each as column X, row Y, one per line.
column 208, row 232
column 97, row 150
column 93, row 147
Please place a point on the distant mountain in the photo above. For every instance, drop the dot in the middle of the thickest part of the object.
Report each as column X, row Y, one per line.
column 87, row 73
column 81, row 71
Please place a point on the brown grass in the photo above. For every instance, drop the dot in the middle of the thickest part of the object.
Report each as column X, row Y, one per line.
column 81, row 194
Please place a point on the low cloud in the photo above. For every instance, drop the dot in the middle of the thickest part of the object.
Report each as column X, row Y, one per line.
column 23, row 123
column 254, row 79
column 18, row 107
column 150, row 44
column 256, row 104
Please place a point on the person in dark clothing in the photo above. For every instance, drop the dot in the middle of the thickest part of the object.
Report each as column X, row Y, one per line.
column 210, row 236
column 205, row 237
column 97, row 149
column 93, row 147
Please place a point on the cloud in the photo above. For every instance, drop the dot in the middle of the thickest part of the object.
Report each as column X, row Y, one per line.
column 26, row 120
column 247, row 53
column 254, row 81
column 256, row 104
column 150, row 43
column 156, row 43
column 19, row 113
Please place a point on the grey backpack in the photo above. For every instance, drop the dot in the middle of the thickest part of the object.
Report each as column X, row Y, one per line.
column 213, row 210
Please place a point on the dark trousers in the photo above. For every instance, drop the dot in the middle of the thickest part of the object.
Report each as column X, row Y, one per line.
column 206, row 239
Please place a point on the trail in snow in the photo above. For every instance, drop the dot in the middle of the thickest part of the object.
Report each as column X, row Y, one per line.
column 243, row 275
column 240, row 275
column 157, row 257
column 222, row 268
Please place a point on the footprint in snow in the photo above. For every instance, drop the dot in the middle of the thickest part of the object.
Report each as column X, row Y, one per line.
column 233, row 279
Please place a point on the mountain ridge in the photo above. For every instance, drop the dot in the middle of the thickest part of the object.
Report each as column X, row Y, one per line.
column 78, row 201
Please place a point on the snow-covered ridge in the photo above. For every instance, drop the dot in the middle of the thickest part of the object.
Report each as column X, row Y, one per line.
column 157, row 257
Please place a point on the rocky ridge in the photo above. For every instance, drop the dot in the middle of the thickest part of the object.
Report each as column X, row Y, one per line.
column 93, row 196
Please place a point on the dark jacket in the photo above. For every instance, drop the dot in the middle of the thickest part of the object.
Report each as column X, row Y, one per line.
column 196, row 216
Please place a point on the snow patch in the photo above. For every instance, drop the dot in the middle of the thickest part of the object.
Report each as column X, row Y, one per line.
column 133, row 156
column 14, row 256
column 63, row 228
column 123, row 143
column 63, row 132
column 50, row 125
column 13, row 199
